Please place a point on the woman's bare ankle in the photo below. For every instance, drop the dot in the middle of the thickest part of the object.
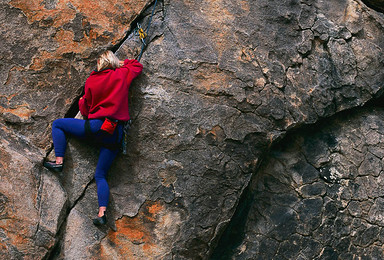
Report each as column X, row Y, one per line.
column 59, row 160
column 102, row 211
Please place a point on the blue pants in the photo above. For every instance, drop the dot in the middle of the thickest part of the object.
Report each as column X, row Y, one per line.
column 75, row 127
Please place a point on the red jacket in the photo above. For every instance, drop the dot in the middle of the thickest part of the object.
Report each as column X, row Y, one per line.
column 106, row 92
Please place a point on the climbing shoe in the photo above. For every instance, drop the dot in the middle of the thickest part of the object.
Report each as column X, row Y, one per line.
column 53, row 166
column 100, row 221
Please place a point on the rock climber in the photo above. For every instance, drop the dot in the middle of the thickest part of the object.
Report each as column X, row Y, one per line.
column 105, row 107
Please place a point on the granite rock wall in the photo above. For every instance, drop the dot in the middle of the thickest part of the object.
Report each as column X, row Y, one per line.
column 223, row 82
column 319, row 195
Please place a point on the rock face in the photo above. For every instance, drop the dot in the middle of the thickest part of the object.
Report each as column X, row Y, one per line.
column 48, row 49
column 319, row 194
column 222, row 82
column 32, row 201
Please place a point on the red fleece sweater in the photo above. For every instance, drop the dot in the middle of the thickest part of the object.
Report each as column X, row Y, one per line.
column 106, row 92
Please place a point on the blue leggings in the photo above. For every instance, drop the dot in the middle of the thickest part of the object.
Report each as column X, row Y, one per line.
column 75, row 127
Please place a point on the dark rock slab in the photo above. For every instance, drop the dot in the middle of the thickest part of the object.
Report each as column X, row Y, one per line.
column 337, row 224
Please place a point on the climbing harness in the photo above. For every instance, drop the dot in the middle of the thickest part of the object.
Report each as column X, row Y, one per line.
column 142, row 35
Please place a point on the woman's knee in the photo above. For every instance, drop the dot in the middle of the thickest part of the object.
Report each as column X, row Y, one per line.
column 100, row 175
column 55, row 123
column 58, row 123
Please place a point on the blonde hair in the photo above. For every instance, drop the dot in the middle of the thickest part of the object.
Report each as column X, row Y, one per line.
column 107, row 60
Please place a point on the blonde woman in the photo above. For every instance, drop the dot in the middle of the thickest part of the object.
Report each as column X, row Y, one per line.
column 105, row 105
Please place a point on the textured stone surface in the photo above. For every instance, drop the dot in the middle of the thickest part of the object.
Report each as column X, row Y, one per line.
column 319, row 194
column 48, row 49
column 223, row 80
column 217, row 101
column 32, row 201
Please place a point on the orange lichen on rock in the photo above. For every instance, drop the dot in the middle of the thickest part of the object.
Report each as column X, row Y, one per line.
column 21, row 111
column 155, row 208
column 100, row 23
column 149, row 235
column 19, row 232
column 112, row 16
column 100, row 13
column 66, row 43
column 35, row 11
column 135, row 237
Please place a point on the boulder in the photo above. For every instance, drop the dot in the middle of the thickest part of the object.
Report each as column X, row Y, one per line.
column 223, row 82
column 48, row 49
column 33, row 203
column 306, row 207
